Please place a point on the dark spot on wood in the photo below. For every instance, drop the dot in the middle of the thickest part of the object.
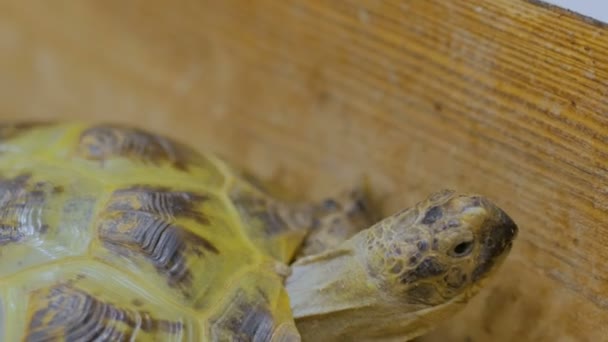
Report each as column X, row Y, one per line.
column 141, row 221
column 428, row 268
column 73, row 314
column 21, row 205
column 108, row 141
column 323, row 97
column 244, row 319
column 576, row 241
column 438, row 106
column 432, row 215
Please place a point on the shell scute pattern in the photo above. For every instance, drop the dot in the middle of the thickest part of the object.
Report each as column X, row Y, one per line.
column 20, row 209
column 142, row 221
column 119, row 148
column 104, row 141
column 11, row 130
column 161, row 201
column 141, row 213
column 90, row 317
column 86, row 300
column 41, row 213
column 244, row 320
column 108, row 151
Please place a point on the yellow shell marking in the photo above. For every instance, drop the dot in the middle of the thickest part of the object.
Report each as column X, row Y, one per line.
column 107, row 231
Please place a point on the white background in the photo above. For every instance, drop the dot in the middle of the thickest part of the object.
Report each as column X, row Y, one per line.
column 597, row 9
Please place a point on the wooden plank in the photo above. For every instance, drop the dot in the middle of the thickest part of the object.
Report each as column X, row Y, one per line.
column 506, row 98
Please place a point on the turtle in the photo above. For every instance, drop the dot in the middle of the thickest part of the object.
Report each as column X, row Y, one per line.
column 110, row 232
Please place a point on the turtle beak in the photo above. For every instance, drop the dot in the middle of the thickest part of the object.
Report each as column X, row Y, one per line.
column 497, row 239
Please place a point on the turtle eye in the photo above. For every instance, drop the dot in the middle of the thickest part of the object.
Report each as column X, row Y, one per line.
column 462, row 249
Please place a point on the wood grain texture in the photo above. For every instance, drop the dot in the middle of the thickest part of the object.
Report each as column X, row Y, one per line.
column 505, row 98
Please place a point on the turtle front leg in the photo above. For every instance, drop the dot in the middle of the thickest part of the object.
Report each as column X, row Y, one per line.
column 288, row 230
column 337, row 219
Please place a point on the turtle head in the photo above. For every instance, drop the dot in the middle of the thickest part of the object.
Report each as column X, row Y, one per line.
column 406, row 273
column 441, row 249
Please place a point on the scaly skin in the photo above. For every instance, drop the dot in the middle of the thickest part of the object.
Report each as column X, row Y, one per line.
column 336, row 220
column 403, row 275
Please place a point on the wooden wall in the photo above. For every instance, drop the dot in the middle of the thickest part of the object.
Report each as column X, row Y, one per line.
column 507, row 98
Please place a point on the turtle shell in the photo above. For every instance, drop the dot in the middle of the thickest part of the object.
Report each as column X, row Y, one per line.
column 113, row 233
